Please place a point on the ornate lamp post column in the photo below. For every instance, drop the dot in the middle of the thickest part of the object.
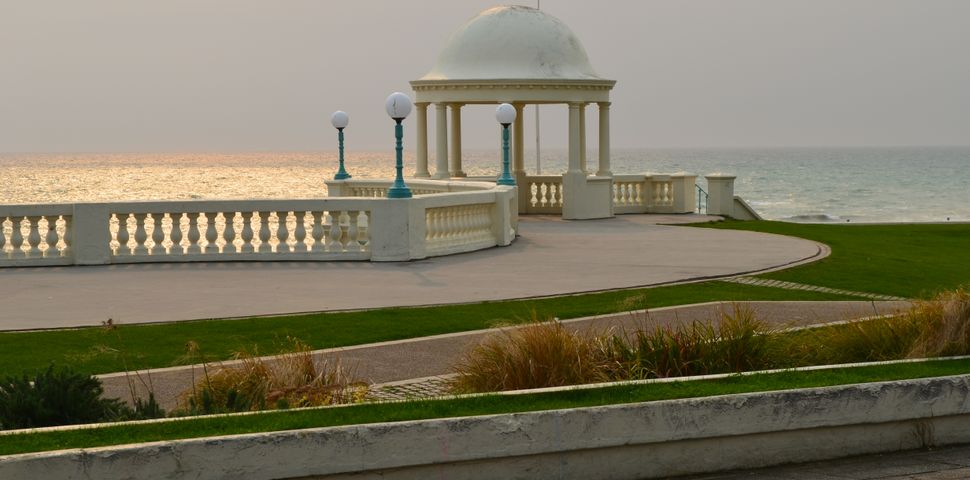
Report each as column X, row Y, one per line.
column 339, row 120
column 398, row 106
column 505, row 114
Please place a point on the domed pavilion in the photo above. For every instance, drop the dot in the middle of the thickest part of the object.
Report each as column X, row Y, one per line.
column 523, row 56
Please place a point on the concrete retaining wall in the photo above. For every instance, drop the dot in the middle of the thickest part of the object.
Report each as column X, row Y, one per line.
column 619, row 442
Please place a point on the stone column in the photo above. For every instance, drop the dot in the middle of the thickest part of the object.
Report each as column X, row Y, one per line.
column 604, row 170
column 421, row 169
column 456, row 140
column 575, row 159
column 441, row 141
column 582, row 137
column 518, row 142
column 720, row 194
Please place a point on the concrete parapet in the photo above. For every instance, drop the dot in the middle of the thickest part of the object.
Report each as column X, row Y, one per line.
column 633, row 441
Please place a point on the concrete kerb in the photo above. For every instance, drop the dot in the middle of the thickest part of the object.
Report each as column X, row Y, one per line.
column 630, row 441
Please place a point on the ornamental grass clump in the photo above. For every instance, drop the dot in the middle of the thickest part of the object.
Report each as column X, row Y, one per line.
column 55, row 396
column 541, row 354
column 738, row 341
column 944, row 325
column 289, row 380
column 933, row 328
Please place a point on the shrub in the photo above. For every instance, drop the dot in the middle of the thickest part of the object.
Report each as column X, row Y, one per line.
column 292, row 379
column 738, row 341
column 541, row 354
column 56, row 396
column 944, row 325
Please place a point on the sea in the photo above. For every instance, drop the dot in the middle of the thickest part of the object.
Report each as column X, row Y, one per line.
column 861, row 185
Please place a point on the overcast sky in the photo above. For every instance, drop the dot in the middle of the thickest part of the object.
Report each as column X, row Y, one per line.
column 244, row 75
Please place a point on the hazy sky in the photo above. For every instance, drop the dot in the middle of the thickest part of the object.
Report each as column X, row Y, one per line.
column 242, row 75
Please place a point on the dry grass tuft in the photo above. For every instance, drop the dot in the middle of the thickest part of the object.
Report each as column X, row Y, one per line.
column 541, row 354
column 291, row 379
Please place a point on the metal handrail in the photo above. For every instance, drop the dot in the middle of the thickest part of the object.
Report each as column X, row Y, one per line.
column 702, row 198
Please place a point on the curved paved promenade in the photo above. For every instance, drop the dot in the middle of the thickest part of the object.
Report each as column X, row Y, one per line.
column 550, row 257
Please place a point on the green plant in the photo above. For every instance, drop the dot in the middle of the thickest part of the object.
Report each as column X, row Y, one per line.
column 541, row 354
column 945, row 325
column 736, row 342
column 55, row 396
column 291, row 379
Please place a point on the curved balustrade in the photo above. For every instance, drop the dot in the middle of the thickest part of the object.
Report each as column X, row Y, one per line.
column 544, row 194
column 453, row 218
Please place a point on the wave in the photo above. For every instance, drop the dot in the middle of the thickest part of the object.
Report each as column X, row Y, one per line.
column 812, row 218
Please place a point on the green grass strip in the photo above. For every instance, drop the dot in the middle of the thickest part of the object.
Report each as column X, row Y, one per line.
column 98, row 350
column 484, row 405
column 906, row 260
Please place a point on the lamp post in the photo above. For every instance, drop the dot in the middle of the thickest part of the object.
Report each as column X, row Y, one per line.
column 505, row 114
column 339, row 120
column 398, row 106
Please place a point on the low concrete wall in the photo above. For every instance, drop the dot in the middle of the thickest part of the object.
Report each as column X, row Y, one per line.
column 634, row 441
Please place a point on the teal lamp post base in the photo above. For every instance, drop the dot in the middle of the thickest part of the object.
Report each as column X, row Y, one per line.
column 506, row 177
column 399, row 189
column 341, row 173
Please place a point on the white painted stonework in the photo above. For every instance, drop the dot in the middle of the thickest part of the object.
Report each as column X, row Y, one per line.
column 360, row 224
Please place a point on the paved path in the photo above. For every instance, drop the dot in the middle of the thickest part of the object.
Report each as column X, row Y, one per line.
column 550, row 257
column 431, row 356
column 950, row 463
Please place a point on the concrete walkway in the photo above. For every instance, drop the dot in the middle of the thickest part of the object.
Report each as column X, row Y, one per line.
column 430, row 356
column 550, row 257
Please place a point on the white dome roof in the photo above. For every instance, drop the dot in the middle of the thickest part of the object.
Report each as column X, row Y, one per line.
column 513, row 42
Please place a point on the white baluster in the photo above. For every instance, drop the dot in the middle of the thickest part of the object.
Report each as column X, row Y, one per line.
column 282, row 233
column 229, row 233
column 352, row 232
column 33, row 237
column 194, row 234
column 3, row 236
column 158, row 235
column 299, row 232
column 51, row 238
column 317, row 232
column 211, row 247
column 123, row 235
column 16, row 238
column 67, row 238
column 335, row 245
column 176, row 234
column 247, row 232
column 363, row 225
column 264, row 233
column 141, row 234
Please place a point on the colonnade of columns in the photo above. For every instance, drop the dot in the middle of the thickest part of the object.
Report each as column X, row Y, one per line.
column 444, row 169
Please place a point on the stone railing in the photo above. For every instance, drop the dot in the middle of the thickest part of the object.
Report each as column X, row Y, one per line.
column 654, row 193
column 333, row 228
column 542, row 194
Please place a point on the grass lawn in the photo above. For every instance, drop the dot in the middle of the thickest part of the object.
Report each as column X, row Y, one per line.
column 484, row 405
column 907, row 260
column 99, row 350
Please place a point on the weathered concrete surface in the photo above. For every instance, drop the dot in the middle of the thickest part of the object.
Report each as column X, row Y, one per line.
column 551, row 257
column 436, row 355
column 934, row 463
column 634, row 441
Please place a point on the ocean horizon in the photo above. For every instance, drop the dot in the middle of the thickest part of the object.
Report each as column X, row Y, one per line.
column 801, row 184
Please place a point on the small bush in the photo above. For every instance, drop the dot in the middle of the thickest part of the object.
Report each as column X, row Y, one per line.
column 288, row 380
column 945, row 325
column 56, row 396
column 735, row 343
column 542, row 354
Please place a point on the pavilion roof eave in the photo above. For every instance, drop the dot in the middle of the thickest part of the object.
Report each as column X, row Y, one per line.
column 512, row 90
